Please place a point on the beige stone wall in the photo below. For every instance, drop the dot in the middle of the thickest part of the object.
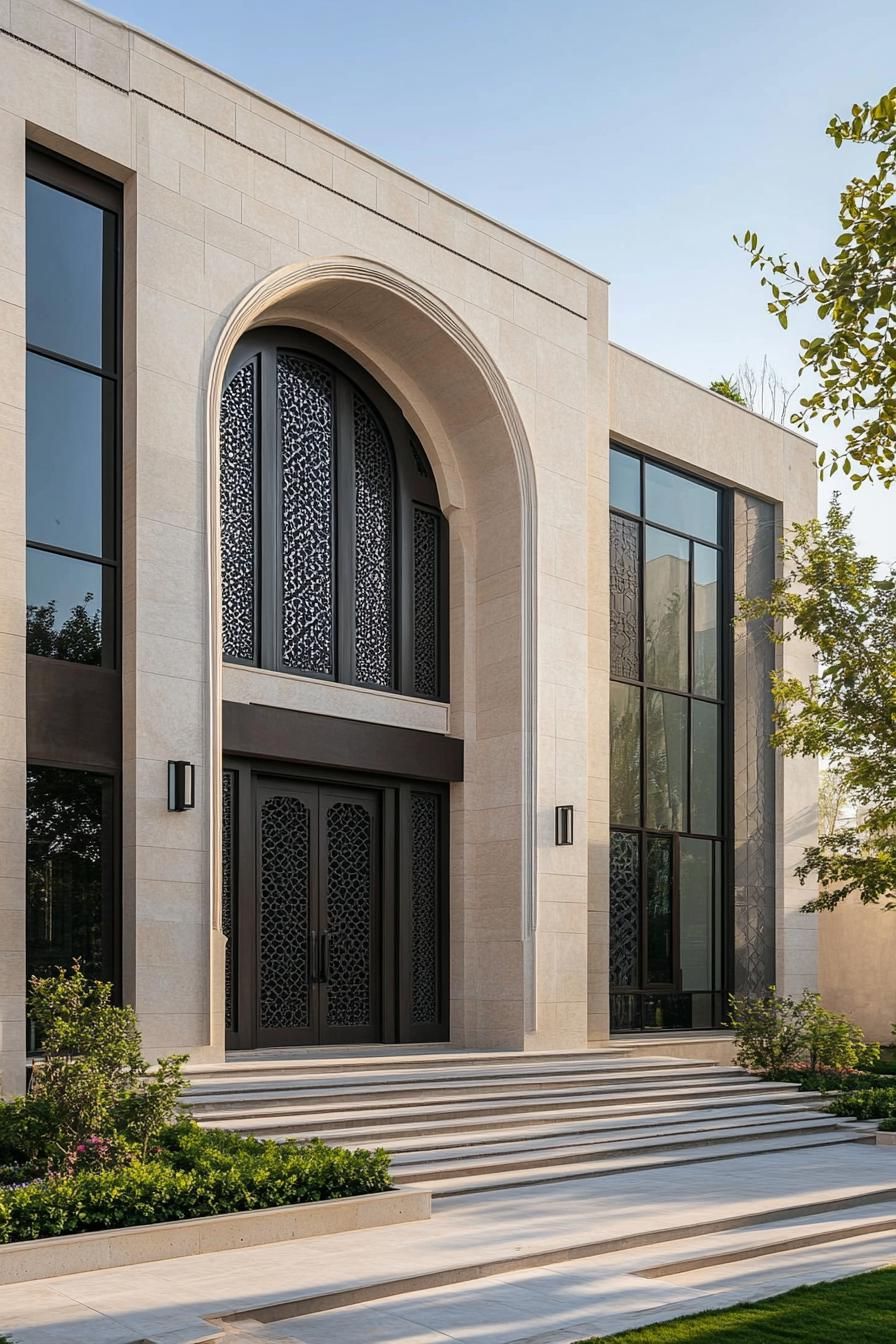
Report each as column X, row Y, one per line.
column 239, row 212
column 857, row 965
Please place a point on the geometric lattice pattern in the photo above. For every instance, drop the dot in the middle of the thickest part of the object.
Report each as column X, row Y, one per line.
column 426, row 602
column 237, row 485
column 305, row 400
column 283, row 913
column 227, row 894
column 374, row 525
column 425, row 907
column 625, row 597
column 349, row 913
column 625, row 909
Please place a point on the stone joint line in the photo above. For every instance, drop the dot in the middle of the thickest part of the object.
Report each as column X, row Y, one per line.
column 296, row 172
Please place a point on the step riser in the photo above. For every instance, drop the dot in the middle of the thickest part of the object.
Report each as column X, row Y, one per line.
column 588, row 1128
column 685, row 1157
column 415, row 1169
column 412, row 1093
column 494, row 1118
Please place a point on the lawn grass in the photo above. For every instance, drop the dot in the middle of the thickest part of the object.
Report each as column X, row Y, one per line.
column 862, row 1308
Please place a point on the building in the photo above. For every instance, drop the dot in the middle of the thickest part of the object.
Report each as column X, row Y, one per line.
column 354, row 688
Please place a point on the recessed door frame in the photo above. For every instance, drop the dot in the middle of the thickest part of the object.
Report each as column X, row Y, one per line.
column 395, row 943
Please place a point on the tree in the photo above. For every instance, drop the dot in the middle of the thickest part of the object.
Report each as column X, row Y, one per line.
column 833, row 797
column 854, row 360
column 844, row 605
column 762, row 390
column 79, row 639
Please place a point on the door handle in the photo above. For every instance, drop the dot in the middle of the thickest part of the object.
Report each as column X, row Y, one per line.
column 312, row 956
column 324, row 973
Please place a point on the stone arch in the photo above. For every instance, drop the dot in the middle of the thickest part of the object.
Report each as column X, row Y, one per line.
column 458, row 402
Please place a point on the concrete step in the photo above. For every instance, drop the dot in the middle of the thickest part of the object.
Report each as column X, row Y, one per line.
column 435, row 1083
column 524, row 1174
column 682, row 1129
column 410, row 1168
column 458, row 1114
column 249, row 1063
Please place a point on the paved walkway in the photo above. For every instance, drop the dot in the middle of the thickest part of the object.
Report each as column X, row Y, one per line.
column 168, row 1301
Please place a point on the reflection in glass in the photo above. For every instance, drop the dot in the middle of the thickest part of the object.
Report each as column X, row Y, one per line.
column 704, row 768
column 625, row 482
column 666, row 803
column 68, row 842
column 695, row 912
column 666, row 562
column 64, row 426
column 68, row 242
column 681, row 503
column 625, row 754
column 706, row 621
column 65, row 607
column 659, row 910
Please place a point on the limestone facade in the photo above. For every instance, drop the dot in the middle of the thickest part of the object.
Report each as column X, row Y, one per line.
column 238, row 213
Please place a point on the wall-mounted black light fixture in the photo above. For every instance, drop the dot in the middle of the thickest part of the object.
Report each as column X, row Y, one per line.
column 563, row 824
column 181, row 786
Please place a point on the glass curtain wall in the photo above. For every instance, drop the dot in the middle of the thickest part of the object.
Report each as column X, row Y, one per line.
column 667, row 774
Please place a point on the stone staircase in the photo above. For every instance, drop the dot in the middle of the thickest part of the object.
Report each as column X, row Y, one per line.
column 458, row 1122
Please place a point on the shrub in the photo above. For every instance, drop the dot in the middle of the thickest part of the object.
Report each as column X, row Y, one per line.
column 195, row 1174
column 777, row 1033
column 870, row 1103
column 97, row 1101
column 831, row 1040
column 889, row 1124
column 770, row 1031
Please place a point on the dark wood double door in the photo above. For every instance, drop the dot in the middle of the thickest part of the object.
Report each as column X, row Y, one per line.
column 333, row 909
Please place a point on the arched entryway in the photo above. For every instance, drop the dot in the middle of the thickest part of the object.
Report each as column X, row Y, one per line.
column 405, row 350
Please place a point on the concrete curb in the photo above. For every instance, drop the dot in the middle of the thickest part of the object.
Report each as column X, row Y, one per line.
column 51, row 1257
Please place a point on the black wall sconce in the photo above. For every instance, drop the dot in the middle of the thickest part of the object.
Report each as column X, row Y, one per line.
column 181, row 786
column 563, row 824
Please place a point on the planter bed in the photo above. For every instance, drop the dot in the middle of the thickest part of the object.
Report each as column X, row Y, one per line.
column 49, row 1257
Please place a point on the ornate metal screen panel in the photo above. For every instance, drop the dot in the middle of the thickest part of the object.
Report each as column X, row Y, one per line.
column 283, row 915
column 374, row 529
column 625, row 908
column 305, row 401
column 238, row 507
column 228, row 903
column 349, row 829
column 426, row 602
column 625, row 599
column 425, row 902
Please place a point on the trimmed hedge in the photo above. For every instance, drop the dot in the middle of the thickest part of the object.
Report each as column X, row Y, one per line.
column 194, row 1173
column 832, row 1080
column 872, row 1103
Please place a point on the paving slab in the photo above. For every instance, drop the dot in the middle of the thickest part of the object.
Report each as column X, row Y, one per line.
column 147, row 1302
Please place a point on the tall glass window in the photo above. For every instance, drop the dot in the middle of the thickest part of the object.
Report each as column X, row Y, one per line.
column 667, row 774
column 72, row 379
column 70, row 872
column 72, row 421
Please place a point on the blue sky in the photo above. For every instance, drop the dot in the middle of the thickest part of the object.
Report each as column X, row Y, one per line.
column 633, row 138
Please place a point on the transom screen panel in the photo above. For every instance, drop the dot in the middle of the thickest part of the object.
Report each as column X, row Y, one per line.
column 333, row 545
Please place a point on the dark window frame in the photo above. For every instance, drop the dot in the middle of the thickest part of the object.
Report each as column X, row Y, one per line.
column 102, row 192
column 724, row 836
column 414, row 488
column 74, row 709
